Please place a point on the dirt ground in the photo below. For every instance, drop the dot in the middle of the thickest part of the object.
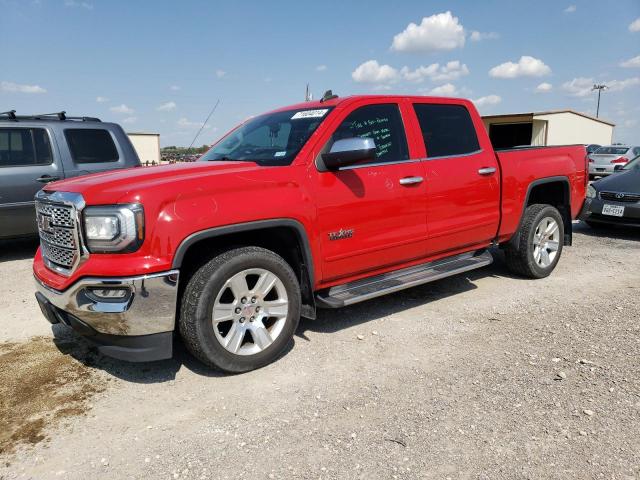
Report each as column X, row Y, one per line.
column 480, row 376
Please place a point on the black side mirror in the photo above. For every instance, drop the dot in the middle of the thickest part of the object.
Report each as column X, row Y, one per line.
column 349, row 151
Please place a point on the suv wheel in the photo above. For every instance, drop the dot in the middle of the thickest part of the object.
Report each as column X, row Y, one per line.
column 240, row 310
column 540, row 242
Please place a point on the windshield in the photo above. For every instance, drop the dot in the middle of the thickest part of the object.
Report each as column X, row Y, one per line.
column 270, row 140
column 612, row 150
column 633, row 164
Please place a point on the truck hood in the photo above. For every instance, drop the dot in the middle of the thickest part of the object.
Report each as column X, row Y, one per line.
column 117, row 185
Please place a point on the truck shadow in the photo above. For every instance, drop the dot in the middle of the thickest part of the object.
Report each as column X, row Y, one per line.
column 18, row 249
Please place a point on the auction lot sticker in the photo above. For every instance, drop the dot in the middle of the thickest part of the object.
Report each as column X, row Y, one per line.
column 310, row 114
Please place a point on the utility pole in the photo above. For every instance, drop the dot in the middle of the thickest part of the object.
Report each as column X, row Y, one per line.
column 599, row 87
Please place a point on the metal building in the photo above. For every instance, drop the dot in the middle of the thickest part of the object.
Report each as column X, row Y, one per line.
column 147, row 146
column 557, row 127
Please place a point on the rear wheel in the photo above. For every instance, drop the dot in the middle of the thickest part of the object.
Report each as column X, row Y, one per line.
column 240, row 310
column 540, row 242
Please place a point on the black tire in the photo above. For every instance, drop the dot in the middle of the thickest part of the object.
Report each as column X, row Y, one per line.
column 520, row 258
column 196, row 310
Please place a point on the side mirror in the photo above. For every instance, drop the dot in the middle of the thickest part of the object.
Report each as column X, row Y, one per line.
column 349, row 151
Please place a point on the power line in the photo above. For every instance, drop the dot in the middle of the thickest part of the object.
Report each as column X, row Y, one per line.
column 205, row 122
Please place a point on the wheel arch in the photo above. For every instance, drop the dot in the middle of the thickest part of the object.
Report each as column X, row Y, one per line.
column 286, row 237
column 554, row 191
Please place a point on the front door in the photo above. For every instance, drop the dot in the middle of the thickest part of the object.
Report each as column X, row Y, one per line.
column 26, row 165
column 462, row 180
column 371, row 215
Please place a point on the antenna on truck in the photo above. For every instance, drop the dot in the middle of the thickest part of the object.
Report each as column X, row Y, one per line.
column 205, row 122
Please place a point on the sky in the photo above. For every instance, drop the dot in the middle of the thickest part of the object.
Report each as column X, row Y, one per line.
column 161, row 66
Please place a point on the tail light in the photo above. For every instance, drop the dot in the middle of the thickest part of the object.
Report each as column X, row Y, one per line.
column 620, row 160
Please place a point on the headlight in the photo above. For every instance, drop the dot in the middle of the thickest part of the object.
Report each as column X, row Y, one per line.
column 591, row 192
column 114, row 228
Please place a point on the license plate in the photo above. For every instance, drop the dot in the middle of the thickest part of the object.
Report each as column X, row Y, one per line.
column 613, row 210
column 600, row 169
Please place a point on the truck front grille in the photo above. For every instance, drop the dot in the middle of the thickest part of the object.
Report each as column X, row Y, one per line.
column 59, row 239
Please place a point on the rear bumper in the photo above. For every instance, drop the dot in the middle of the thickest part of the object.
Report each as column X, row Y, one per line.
column 595, row 169
column 137, row 326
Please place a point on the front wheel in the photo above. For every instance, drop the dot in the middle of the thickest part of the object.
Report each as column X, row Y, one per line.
column 540, row 242
column 240, row 310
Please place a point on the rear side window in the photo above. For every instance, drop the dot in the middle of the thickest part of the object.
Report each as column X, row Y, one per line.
column 383, row 123
column 91, row 145
column 23, row 147
column 446, row 129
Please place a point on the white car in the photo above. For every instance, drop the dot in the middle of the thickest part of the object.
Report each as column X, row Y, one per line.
column 604, row 160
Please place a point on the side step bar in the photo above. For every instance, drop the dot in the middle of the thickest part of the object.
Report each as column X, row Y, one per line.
column 367, row 288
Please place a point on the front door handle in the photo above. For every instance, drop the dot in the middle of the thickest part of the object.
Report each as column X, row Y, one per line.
column 411, row 180
column 47, row 179
column 487, row 171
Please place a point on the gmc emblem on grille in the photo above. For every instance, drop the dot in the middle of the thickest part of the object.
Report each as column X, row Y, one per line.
column 44, row 223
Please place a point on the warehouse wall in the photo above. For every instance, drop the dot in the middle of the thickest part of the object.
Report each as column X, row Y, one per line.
column 147, row 147
column 567, row 128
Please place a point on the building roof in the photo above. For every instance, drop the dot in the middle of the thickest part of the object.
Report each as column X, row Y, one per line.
column 550, row 112
column 143, row 133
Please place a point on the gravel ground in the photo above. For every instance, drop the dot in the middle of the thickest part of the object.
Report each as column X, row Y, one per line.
column 478, row 376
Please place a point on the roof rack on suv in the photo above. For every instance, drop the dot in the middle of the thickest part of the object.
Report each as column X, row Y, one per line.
column 11, row 115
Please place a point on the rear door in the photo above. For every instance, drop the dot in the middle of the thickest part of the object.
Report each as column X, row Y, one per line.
column 462, row 179
column 26, row 165
column 372, row 215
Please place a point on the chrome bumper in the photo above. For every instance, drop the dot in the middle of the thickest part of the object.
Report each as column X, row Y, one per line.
column 148, row 307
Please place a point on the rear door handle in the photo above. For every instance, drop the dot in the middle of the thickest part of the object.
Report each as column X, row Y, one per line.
column 47, row 179
column 487, row 171
column 411, row 180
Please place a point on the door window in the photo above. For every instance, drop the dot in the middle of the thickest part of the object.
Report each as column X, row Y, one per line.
column 21, row 147
column 383, row 123
column 446, row 129
column 91, row 145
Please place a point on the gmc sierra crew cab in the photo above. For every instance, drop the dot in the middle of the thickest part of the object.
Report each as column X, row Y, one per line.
column 320, row 204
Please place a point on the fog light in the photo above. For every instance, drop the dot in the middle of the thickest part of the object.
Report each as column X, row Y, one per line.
column 109, row 294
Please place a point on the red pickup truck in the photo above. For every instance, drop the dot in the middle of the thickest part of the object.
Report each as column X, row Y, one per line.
column 321, row 204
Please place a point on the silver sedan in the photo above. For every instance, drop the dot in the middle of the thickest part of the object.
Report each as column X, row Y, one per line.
column 606, row 160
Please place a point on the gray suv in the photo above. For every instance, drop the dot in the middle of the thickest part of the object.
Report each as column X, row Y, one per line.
column 38, row 149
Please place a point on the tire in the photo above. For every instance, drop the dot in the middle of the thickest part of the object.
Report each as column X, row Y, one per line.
column 536, row 254
column 237, row 343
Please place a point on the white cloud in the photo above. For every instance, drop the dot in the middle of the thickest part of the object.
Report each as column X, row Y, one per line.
column 582, row 87
column 122, row 109
column 488, row 100
column 220, row 73
column 372, row 72
column 437, row 32
column 631, row 63
column 451, row 71
column 635, row 25
column 167, row 107
column 321, row 68
column 101, row 99
column 446, row 90
column 570, row 9
column 478, row 36
column 526, row 67
column 11, row 87
column 544, row 87
column 130, row 120
column 185, row 123
column 75, row 4
column 175, row 88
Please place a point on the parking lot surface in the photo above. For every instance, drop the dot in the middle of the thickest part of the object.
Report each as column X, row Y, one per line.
column 483, row 375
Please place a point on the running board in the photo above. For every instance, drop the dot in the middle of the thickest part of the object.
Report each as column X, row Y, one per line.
column 361, row 290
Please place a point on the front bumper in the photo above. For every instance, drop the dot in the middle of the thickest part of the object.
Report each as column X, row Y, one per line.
column 592, row 212
column 137, row 326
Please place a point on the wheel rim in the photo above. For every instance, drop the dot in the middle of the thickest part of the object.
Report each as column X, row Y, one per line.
column 250, row 311
column 546, row 242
